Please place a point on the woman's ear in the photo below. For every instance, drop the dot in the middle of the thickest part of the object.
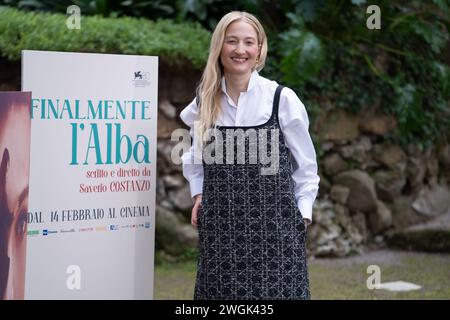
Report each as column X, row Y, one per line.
column 259, row 53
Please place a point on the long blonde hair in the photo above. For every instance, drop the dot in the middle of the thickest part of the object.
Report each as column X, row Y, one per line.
column 209, row 90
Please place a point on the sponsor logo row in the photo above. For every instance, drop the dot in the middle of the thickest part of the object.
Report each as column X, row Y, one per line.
column 111, row 227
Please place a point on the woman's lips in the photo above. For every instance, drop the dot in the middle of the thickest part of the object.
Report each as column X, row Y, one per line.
column 239, row 60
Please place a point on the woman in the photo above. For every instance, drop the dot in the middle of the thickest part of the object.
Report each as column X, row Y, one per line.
column 252, row 224
column 15, row 126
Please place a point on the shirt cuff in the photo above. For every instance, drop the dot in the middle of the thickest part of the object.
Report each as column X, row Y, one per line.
column 305, row 207
column 196, row 186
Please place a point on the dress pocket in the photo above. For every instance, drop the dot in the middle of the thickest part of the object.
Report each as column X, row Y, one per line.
column 300, row 217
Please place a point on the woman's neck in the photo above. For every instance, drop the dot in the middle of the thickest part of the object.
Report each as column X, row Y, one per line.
column 236, row 84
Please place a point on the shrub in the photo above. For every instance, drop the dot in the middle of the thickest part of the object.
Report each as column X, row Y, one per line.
column 175, row 43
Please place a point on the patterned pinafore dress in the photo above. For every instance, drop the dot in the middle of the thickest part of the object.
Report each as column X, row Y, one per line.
column 251, row 232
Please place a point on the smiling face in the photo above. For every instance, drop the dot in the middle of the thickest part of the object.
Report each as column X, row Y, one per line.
column 240, row 48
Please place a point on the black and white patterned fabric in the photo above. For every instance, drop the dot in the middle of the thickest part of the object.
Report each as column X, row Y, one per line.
column 251, row 232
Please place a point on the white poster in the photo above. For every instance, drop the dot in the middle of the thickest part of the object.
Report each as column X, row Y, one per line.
column 91, row 218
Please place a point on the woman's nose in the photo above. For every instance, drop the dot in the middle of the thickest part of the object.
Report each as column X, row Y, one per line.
column 240, row 48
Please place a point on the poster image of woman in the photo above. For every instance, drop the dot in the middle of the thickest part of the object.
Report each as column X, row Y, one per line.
column 15, row 129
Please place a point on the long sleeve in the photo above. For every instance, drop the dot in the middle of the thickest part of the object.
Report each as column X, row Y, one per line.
column 192, row 170
column 294, row 123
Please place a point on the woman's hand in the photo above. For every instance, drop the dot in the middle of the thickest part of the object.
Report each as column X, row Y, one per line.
column 195, row 209
column 307, row 222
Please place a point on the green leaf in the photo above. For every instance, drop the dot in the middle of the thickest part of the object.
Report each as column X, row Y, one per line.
column 295, row 19
column 443, row 5
column 303, row 54
column 431, row 34
column 308, row 9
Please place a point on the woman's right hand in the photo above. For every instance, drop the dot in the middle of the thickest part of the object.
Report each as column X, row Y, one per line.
column 195, row 209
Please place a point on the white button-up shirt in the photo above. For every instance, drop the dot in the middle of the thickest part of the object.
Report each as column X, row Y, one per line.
column 255, row 107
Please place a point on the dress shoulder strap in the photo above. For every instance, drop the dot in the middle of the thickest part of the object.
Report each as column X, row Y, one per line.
column 276, row 102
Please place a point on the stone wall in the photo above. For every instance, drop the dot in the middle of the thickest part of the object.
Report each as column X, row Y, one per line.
column 370, row 188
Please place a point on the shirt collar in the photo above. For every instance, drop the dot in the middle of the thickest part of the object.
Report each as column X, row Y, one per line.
column 251, row 84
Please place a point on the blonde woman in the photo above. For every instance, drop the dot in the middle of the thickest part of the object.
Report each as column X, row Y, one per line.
column 251, row 222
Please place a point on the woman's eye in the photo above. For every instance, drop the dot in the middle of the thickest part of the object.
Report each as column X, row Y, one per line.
column 21, row 226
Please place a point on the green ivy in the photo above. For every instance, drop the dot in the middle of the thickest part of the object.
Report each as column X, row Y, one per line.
column 331, row 59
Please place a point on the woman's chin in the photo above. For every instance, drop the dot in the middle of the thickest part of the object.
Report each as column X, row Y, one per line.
column 238, row 70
